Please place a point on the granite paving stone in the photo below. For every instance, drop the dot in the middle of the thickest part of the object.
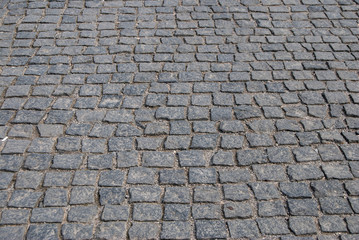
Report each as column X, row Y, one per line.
column 332, row 224
column 273, row 226
column 82, row 195
column 111, row 178
column 335, row 205
column 352, row 223
column 112, row 195
column 302, row 225
column 48, row 215
column 15, row 216
column 175, row 177
column 24, row 198
column 6, row 178
column 138, row 175
column 223, row 158
column 144, row 230
column 82, row 213
column 175, row 212
column 67, row 161
column 206, row 211
column 176, row 230
column 76, row 230
column 28, row 179
column 238, row 192
column 271, row 208
column 303, row 207
column 179, row 119
column 352, row 187
column 97, row 162
column 237, row 210
column 12, row 232
column 55, row 197
column 176, row 195
column 210, row 229
column 145, row 194
column 234, row 175
column 265, row 191
column 111, row 230
column 243, row 229
column 115, row 212
column 147, row 212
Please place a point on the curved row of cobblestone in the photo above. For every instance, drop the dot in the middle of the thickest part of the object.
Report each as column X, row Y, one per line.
column 179, row 119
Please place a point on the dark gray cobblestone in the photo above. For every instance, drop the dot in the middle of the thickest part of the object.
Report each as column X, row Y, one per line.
column 179, row 119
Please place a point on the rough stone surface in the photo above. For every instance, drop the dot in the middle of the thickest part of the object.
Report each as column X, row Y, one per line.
column 179, row 119
column 210, row 229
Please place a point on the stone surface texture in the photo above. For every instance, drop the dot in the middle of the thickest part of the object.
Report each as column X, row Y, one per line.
column 179, row 119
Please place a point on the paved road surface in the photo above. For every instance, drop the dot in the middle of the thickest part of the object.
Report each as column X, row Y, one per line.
column 179, row 119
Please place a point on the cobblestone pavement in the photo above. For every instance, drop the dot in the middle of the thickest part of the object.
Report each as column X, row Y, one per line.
column 179, row 119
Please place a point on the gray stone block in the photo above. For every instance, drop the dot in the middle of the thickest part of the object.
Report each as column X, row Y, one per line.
column 206, row 211
column 82, row 195
column 158, row 159
column 15, row 216
column 271, row 208
column 206, row 194
column 238, row 210
column 115, row 213
column 111, row 178
column 16, row 232
column 145, row 194
column 55, row 197
column 176, row 195
column 76, row 231
column 223, row 158
column 332, row 224
column 295, row 190
column 24, row 198
column 270, row 226
column 112, row 195
column 28, row 179
column 269, row 172
column 210, row 229
column 265, row 191
column 111, row 230
column 243, row 229
column 147, row 212
column 335, row 205
column 176, row 177
column 176, row 212
column 202, row 175
column 303, row 225
column 82, row 214
column 234, row 176
column 194, row 158
column 303, row 207
column 141, row 175
column 176, row 230
column 144, row 230
column 48, row 215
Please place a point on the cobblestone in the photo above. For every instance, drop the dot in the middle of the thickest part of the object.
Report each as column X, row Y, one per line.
column 76, row 230
column 210, row 229
column 145, row 194
column 243, row 228
column 302, row 225
column 49, row 215
column 55, row 197
column 179, row 119
column 332, row 224
column 176, row 230
column 273, row 226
